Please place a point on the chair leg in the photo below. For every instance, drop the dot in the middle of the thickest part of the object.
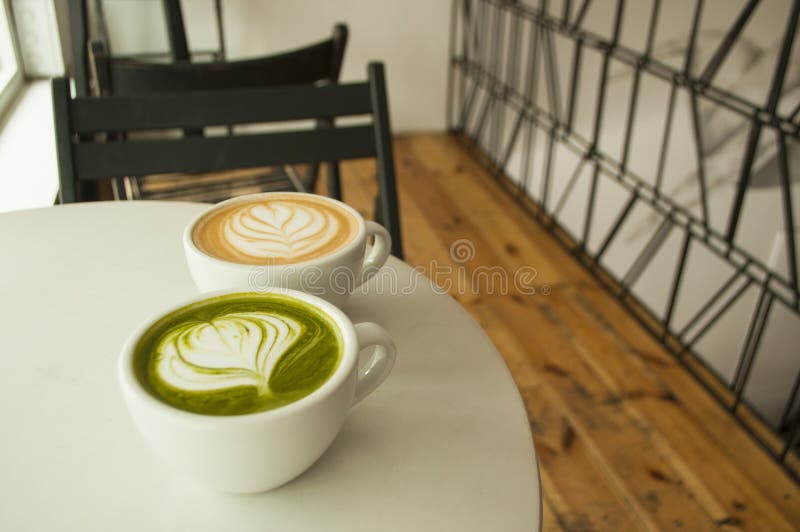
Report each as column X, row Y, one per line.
column 117, row 189
column 137, row 193
column 311, row 176
column 334, row 181
column 131, row 187
column 378, row 210
column 295, row 179
column 386, row 214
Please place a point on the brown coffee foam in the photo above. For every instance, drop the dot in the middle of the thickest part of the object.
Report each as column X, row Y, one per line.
column 210, row 233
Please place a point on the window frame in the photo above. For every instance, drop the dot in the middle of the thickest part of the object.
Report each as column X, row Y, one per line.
column 10, row 88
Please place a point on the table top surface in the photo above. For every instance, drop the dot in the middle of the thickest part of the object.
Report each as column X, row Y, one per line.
column 443, row 444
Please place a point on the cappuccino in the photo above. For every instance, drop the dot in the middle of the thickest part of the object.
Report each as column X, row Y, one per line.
column 238, row 353
column 275, row 229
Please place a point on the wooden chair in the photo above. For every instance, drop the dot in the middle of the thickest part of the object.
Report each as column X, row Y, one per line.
column 317, row 63
column 85, row 153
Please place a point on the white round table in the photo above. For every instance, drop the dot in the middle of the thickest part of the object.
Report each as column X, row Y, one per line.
column 444, row 444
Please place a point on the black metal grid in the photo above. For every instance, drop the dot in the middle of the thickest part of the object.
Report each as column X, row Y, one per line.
column 489, row 56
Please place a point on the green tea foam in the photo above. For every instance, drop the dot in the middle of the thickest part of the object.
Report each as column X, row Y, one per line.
column 238, row 354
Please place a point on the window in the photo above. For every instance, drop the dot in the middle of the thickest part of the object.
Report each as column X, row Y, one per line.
column 10, row 75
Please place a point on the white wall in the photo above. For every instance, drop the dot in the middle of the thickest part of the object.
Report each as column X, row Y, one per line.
column 410, row 37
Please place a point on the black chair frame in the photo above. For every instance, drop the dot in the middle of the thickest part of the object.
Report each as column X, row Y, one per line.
column 85, row 154
column 317, row 63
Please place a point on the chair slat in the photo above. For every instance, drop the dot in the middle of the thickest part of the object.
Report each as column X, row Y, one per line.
column 207, row 108
column 305, row 66
column 206, row 154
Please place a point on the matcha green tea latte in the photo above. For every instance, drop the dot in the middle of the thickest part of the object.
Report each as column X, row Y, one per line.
column 238, row 354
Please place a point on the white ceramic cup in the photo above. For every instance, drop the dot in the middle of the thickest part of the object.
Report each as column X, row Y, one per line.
column 332, row 277
column 256, row 452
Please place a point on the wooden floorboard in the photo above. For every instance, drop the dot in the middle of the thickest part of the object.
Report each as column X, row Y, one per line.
column 626, row 438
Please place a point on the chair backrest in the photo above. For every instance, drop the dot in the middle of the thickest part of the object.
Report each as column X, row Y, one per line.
column 84, row 154
column 321, row 61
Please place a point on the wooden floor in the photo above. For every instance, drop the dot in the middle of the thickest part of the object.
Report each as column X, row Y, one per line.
column 626, row 439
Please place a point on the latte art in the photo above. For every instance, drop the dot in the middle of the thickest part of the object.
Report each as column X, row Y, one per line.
column 280, row 230
column 275, row 229
column 238, row 354
column 239, row 349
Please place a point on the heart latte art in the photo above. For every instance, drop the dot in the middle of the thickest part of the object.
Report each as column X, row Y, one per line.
column 275, row 229
column 238, row 354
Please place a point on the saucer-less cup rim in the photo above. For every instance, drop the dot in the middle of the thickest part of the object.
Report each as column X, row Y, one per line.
column 131, row 383
column 331, row 257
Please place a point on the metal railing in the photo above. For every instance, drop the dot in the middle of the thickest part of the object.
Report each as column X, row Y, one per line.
column 502, row 51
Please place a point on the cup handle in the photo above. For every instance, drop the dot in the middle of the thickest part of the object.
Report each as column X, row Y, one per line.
column 375, row 369
column 378, row 254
